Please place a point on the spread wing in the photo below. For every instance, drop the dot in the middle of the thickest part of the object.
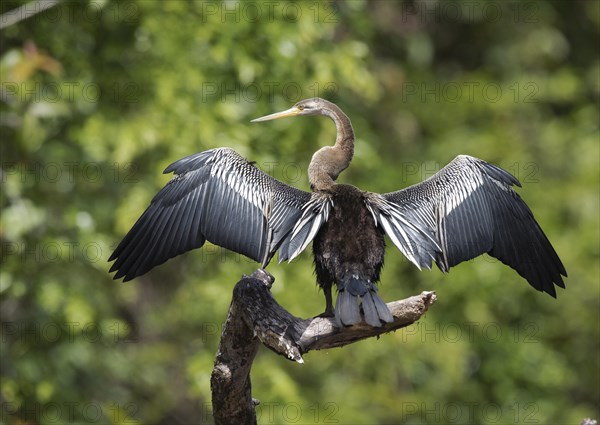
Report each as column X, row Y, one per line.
column 469, row 208
column 217, row 196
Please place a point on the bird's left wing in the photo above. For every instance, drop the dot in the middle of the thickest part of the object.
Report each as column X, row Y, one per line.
column 217, row 196
column 466, row 209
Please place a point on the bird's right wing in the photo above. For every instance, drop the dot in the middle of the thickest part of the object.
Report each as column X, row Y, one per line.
column 217, row 196
column 466, row 209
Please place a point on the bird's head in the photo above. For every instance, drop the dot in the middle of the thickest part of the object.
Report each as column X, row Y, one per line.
column 328, row 162
column 313, row 106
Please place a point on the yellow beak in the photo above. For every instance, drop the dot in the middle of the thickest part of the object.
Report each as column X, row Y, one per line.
column 292, row 112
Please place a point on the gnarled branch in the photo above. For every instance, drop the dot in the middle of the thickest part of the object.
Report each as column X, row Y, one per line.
column 255, row 317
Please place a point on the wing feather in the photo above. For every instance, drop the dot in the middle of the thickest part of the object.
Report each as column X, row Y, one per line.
column 315, row 213
column 217, row 196
column 469, row 208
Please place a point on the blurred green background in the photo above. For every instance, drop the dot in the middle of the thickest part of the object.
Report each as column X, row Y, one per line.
column 98, row 97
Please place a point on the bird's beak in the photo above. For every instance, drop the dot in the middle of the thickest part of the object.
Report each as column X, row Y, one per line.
column 292, row 112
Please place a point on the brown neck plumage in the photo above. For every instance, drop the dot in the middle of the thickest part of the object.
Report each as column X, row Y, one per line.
column 328, row 162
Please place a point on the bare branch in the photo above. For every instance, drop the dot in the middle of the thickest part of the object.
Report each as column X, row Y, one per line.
column 254, row 316
column 291, row 336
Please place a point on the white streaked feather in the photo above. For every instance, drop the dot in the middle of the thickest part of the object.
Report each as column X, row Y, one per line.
column 461, row 193
column 391, row 231
column 316, row 225
column 400, row 221
column 396, row 226
column 316, row 212
column 245, row 188
column 375, row 216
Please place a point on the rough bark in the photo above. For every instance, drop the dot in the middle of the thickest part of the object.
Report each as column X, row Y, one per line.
column 255, row 317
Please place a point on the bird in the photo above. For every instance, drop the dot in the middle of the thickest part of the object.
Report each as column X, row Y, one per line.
column 468, row 208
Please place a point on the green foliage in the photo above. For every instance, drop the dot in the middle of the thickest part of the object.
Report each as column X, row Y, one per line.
column 99, row 97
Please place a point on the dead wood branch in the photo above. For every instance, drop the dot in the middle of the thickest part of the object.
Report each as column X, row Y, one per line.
column 255, row 317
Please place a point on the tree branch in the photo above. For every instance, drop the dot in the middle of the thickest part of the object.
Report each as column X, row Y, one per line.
column 25, row 11
column 254, row 317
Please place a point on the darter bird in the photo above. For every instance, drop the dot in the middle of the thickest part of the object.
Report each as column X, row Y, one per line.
column 468, row 208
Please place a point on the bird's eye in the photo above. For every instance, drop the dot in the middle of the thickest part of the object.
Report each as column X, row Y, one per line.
column 301, row 107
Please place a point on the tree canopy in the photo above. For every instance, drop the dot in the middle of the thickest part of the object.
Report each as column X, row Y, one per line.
column 99, row 96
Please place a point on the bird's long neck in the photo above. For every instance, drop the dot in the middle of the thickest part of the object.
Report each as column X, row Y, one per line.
column 328, row 162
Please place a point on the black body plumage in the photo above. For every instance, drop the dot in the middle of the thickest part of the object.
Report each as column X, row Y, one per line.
column 466, row 209
column 349, row 250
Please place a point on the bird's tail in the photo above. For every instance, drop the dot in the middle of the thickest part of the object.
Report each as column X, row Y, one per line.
column 354, row 290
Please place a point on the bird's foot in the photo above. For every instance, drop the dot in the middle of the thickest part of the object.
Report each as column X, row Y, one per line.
column 328, row 313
